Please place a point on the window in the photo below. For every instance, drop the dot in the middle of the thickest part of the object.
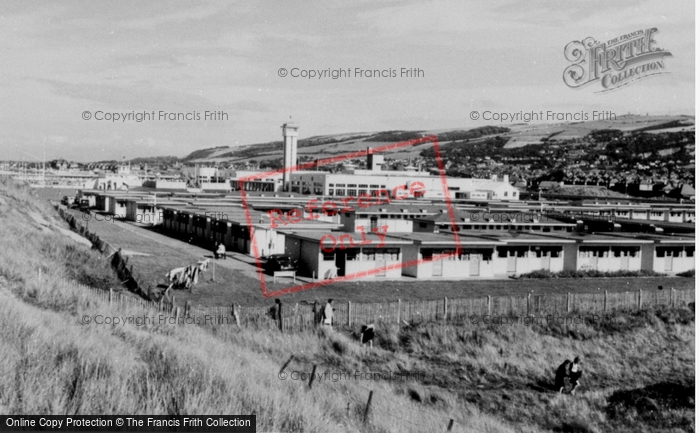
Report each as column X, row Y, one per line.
column 505, row 194
column 328, row 257
column 352, row 254
column 392, row 254
column 352, row 192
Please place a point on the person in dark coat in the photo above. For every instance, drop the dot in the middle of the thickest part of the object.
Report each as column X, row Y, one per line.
column 276, row 310
column 318, row 313
column 562, row 373
column 367, row 335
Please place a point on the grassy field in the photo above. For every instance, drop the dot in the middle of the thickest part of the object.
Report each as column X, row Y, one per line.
column 638, row 367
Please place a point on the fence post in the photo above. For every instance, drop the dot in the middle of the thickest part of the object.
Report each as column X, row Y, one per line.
column 528, row 305
column 451, row 423
column 235, row 315
column 177, row 315
column 349, row 313
column 369, row 403
column 111, row 294
column 444, row 310
column 673, row 301
column 568, row 302
column 639, row 303
column 286, row 364
column 279, row 317
column 398, row 316
column 605, row 302
column 488, row 304
column 313, row 374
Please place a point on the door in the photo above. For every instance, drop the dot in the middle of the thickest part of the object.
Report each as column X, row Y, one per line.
column 372, row 223
column 380, row 262
column 512, row 263
column 668, row 265
column 624, row 261
column 474, row 264
column 437, row 267
column 340, row 257
column 545, row 260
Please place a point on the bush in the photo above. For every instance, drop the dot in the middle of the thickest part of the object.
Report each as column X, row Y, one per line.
column 589, row 273
column 689, row 274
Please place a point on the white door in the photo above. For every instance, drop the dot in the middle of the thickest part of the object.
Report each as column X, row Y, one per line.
column 437, row 267
column 474, row 264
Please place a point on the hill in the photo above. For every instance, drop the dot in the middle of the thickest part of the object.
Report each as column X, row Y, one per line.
column 516, row 135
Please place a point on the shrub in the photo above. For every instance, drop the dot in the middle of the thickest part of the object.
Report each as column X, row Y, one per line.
column 589, row 273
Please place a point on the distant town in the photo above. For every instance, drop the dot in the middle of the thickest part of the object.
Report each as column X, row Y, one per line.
column 655, row 160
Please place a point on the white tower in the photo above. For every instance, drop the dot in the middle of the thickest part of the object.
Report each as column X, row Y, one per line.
column 290, row 132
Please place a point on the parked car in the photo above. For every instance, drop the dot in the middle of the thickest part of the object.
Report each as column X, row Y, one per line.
column 84, row 205
column 279, row 262
column 67, row 200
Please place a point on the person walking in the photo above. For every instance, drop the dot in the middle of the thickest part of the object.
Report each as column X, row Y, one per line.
column 221, row 250
column 328, row 313
column 562, row 373
column 575, row 374
column 318, row 313
column 367, row 335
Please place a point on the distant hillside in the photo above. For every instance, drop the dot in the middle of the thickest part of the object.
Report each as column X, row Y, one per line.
column 514, row 136
column 159, row 160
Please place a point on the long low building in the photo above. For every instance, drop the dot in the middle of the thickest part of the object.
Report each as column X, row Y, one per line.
column 485, row 254
column 230, row 225
column 342, row 254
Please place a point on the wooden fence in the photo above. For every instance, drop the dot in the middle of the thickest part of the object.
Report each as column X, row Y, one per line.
column 348, row 315
column 117, row 260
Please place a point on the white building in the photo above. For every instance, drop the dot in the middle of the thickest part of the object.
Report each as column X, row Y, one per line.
column 398, row 183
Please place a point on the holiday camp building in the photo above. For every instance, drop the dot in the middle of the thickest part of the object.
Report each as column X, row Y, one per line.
column 346, row 254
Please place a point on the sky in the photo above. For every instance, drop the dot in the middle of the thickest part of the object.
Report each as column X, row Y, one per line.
column 65, row 60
